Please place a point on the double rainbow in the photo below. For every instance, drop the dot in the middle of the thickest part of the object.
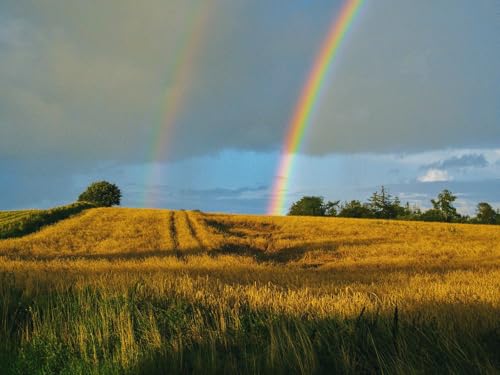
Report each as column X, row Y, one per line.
column 182, row 72
column 308, row 102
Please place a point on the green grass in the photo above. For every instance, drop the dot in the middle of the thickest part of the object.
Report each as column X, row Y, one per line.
column 82, row 328
column 9, row 216
column 20, row 223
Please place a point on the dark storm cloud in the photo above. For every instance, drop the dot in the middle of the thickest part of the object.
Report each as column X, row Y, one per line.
column 464, row 161
column 87, row 81
column 414, row 76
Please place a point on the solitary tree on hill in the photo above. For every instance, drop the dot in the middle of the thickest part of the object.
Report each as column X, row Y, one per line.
column 101, row 193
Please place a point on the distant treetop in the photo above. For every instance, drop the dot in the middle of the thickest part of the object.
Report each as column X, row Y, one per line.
column 382, row 205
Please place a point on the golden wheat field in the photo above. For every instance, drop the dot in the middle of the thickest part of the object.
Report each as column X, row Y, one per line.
column 117, row 290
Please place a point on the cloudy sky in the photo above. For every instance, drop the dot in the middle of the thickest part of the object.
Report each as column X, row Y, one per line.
column 185, row 103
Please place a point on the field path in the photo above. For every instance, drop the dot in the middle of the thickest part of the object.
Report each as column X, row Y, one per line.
column 192, row 231
column 173, row 233
column 187, row 239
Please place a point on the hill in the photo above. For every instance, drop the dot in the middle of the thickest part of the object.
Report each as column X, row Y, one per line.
column 144, row 291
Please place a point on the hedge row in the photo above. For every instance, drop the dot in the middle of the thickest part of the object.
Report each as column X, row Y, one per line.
column 37, row 219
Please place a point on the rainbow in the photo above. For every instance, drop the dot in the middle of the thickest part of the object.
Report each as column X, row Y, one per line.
column 179, row 83
column 308, row 101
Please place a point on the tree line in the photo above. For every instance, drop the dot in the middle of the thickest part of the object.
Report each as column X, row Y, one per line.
column 383, row 205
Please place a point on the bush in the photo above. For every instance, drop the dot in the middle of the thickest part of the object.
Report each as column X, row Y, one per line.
column 433, row 215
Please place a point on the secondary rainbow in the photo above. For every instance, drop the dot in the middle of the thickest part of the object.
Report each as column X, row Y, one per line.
column 308, row 101
column 179, row 83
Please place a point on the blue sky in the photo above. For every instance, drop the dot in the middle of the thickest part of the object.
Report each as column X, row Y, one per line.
column 411, row 102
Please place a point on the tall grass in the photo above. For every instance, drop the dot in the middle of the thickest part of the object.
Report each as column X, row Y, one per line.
column 153, row 291
column 164, row 324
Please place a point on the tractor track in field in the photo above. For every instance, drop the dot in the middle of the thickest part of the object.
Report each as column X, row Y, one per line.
column 192, row 230
column 175, row 237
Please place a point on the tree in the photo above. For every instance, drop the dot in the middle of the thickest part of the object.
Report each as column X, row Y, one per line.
column 331, row 208
column 432, row 215
column 308, row 206
column 355, row 209
column 444, row 204
column 384, row 206
column 409, row 212
column 486, row 214
column 101, row 193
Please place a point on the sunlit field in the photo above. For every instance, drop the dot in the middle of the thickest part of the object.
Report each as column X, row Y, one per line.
column 115, row 290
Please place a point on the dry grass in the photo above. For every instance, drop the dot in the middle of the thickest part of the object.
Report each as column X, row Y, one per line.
column 314, row 294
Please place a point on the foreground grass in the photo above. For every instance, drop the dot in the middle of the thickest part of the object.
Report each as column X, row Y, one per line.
column 152, row 291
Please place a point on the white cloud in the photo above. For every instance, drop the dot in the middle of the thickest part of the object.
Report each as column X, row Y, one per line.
column 435, row 175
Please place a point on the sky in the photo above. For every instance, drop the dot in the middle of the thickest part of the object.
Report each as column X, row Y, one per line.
column 186, row 103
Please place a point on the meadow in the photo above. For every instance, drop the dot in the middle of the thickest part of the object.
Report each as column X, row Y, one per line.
column 118, row 290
